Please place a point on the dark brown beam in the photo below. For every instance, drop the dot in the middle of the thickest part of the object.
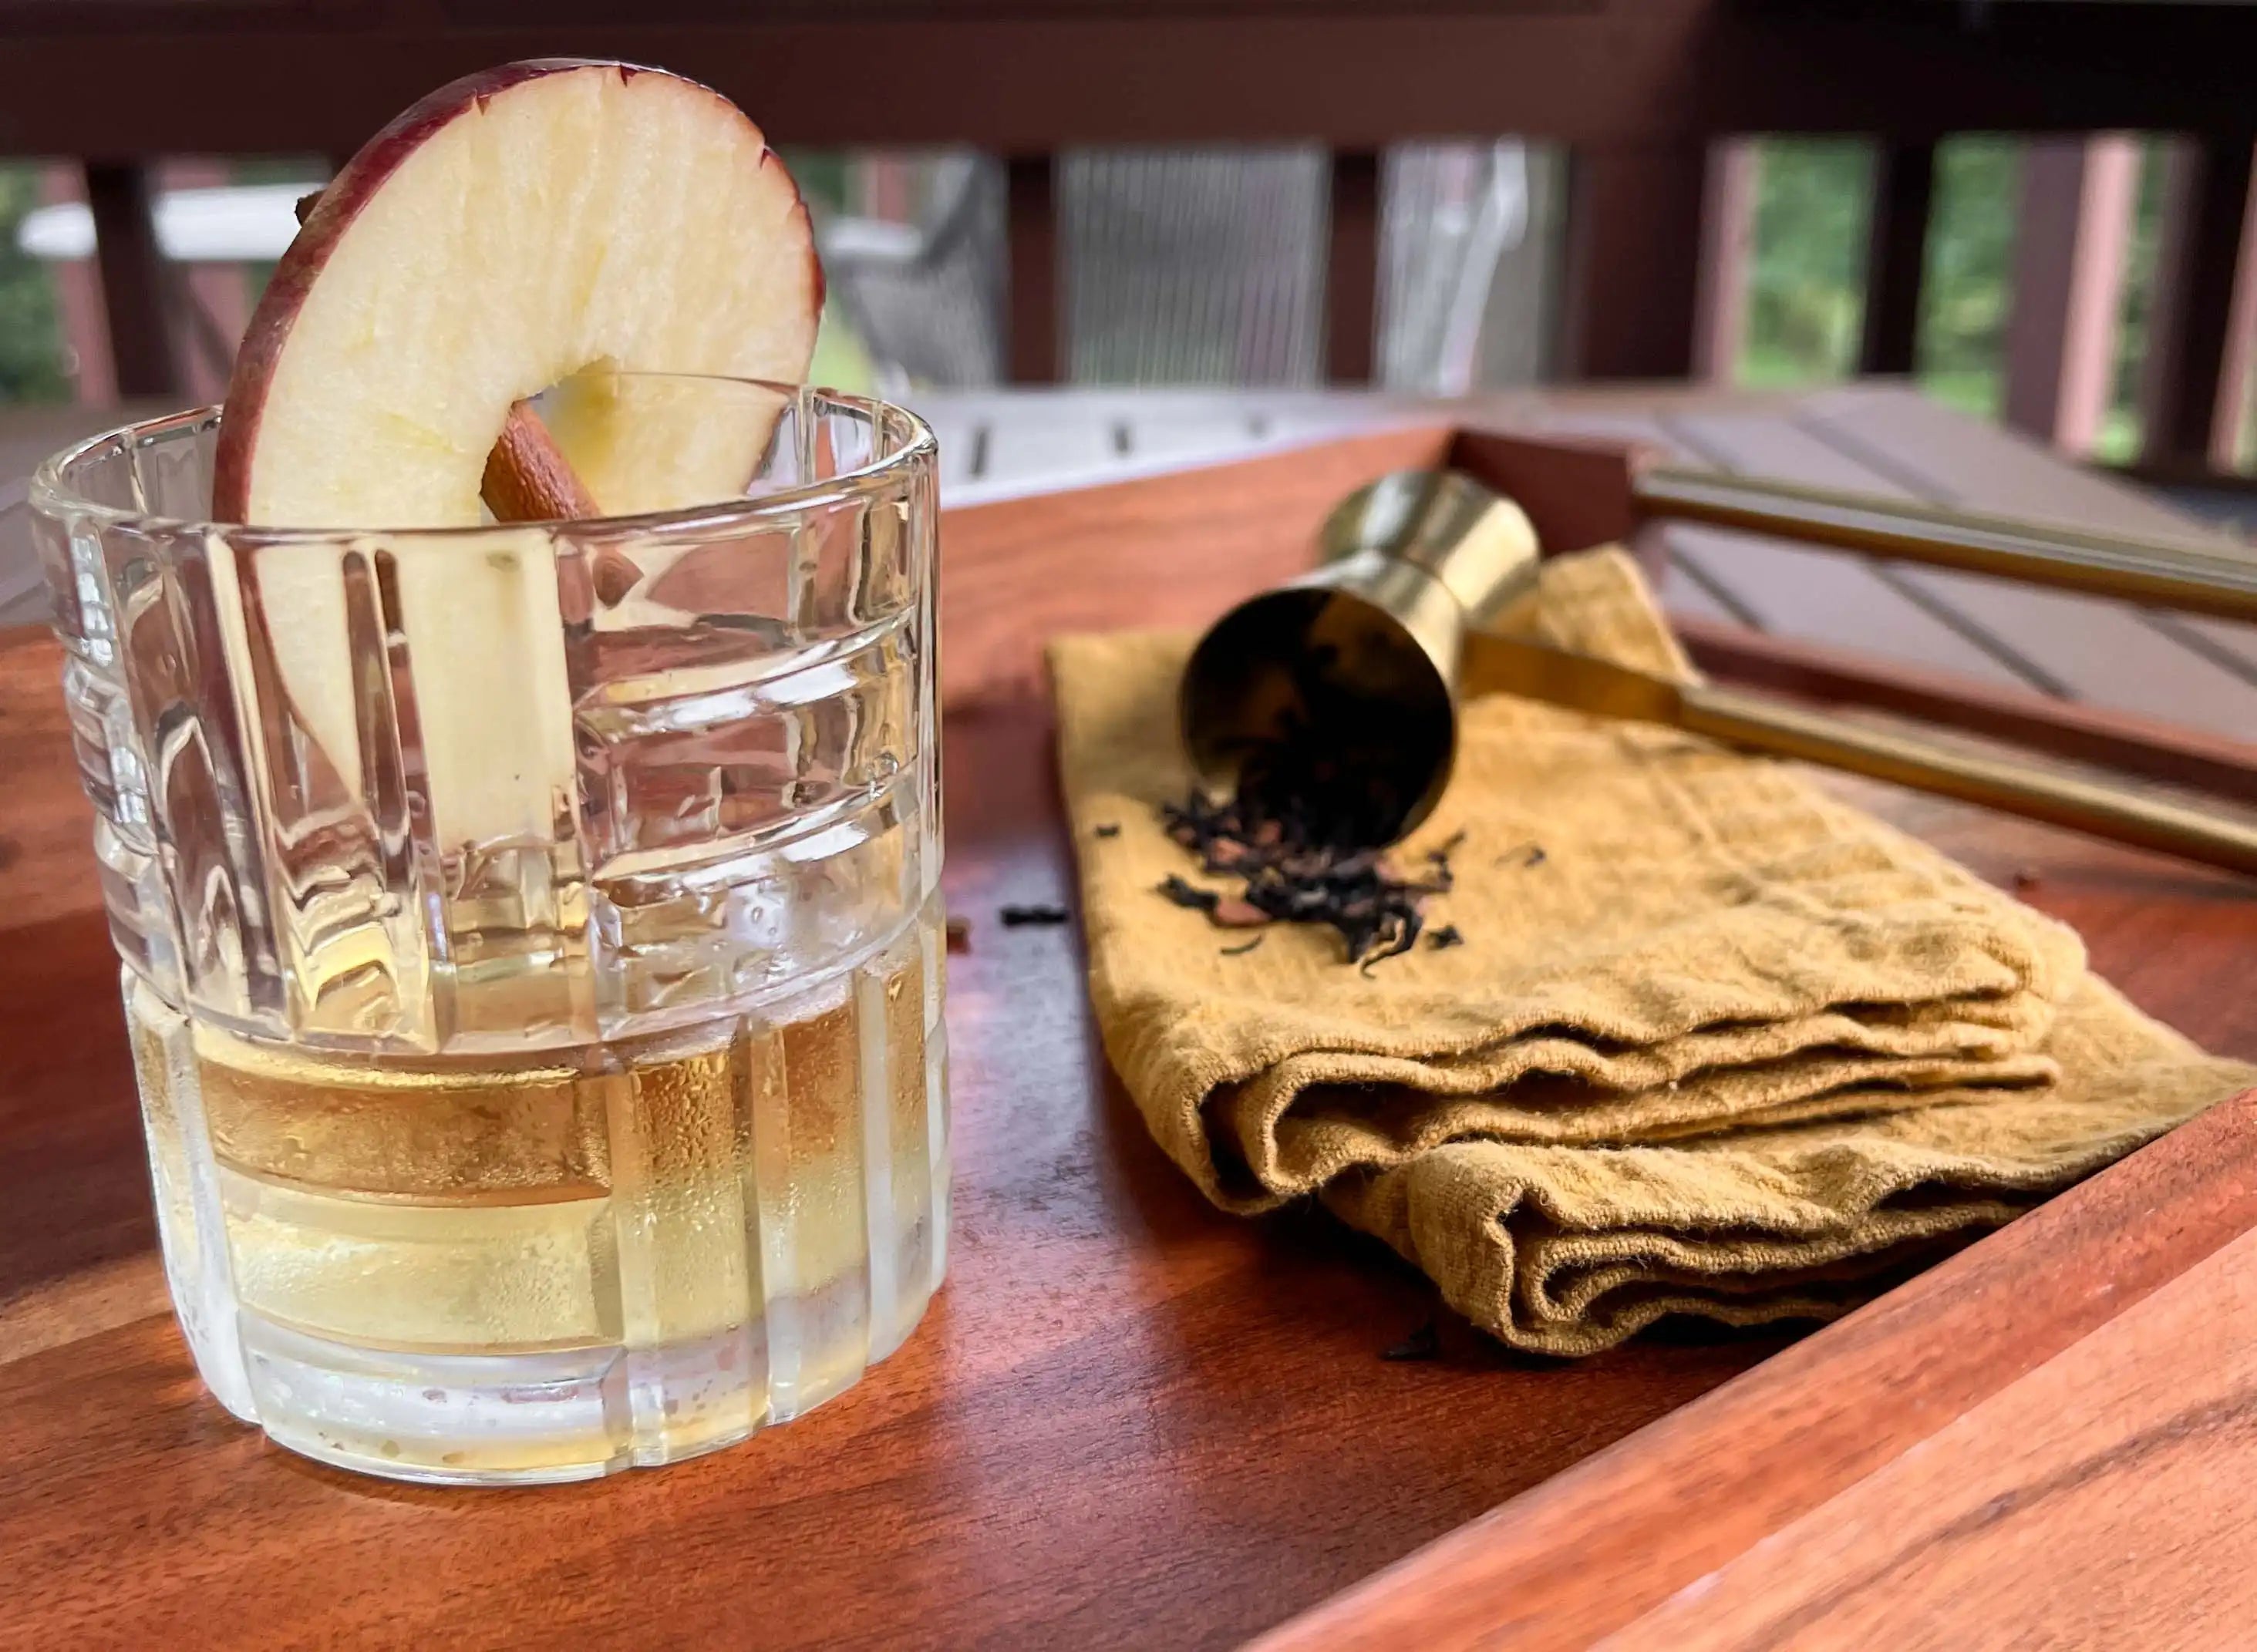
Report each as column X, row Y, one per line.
column 1896, row 256
column 1032, row 76
column 1633, row 263
column 2198, row 343
column 1032, row 216
column 321, row 79
column 133, row 279
column 1351, row 268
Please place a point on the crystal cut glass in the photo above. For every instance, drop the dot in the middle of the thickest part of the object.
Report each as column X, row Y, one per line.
column 532, row 939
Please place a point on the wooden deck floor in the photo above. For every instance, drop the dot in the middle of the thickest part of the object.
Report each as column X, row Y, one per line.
column 1877, row 439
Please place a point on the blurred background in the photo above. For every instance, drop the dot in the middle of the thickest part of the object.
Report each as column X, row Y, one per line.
column 2038, row 210
column 1206, row 266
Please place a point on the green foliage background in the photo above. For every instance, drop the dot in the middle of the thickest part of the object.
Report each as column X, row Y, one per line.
column 31, row 365
column 1806, row 300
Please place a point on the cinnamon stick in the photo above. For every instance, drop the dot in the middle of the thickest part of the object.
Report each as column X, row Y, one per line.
column 528, row 478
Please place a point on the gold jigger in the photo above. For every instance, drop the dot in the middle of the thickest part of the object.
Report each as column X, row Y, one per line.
column 1368, row 649
column 1355, row 673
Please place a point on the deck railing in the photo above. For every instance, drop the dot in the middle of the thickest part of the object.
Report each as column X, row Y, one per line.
column 1648, row 95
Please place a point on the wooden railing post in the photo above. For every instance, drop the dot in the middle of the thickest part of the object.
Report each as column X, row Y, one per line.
column 208, row 303
column 78, row 298
column 2075, row 224
column 1728, row 229
column 1633, row 262
column 1031, row 215
column 2202, row 327
column 133, row 281
column 1896, row 256
column 1351, row 268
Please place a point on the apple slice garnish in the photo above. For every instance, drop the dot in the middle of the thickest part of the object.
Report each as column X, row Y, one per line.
column 536, row 227
column 512, row 230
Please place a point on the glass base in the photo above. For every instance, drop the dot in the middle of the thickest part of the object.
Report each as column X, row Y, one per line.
column 755, row 1215
column 554, row 1416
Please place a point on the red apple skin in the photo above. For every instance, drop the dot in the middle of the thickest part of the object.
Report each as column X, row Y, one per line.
column 340, row 203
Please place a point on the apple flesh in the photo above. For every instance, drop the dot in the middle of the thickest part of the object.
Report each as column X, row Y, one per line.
column 509, row 231
column 539, row 226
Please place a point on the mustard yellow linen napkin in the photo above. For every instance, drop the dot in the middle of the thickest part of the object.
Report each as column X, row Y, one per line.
column 1724, row 1046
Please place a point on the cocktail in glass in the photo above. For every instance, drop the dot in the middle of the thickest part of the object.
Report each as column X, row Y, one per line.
column 532, row 944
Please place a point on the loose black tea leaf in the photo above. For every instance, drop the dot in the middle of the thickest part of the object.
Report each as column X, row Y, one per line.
column 1111, row 828
column 1426, row 1342
column 1298, row 869
column 1404, row 940
column 1241, row 951
column 960, row 935
column 1447, row 935
column 1033, row 916
column 1188, row 894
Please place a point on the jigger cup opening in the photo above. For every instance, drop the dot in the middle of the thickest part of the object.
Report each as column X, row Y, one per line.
column 1330, row 703
column 1323, row 707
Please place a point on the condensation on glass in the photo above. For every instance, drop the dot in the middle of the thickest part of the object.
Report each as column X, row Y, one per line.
column 532, row 941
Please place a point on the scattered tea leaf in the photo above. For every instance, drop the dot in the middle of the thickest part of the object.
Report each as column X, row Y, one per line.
column 1446, row 937
column 1242, row 950
column 1110, row 829
column 1036, row 915
column 1296, row 873
column 1426, row 1342
column 960, row 935
column 1188, row 894
column 1403, row 943
column 1439, row 859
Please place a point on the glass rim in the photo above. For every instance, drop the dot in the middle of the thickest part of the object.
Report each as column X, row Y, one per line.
column 50, row 495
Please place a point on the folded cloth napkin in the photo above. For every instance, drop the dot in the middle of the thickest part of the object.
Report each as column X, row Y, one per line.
column 1713, row 1042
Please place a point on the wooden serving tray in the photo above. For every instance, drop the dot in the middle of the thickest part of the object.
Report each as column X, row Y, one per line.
column 1128, row 1419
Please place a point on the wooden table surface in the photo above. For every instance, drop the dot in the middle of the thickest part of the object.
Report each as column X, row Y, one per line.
column 1129, row 1421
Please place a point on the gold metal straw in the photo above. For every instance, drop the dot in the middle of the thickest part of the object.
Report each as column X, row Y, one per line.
column 2097, row 564
column 1493, row 663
